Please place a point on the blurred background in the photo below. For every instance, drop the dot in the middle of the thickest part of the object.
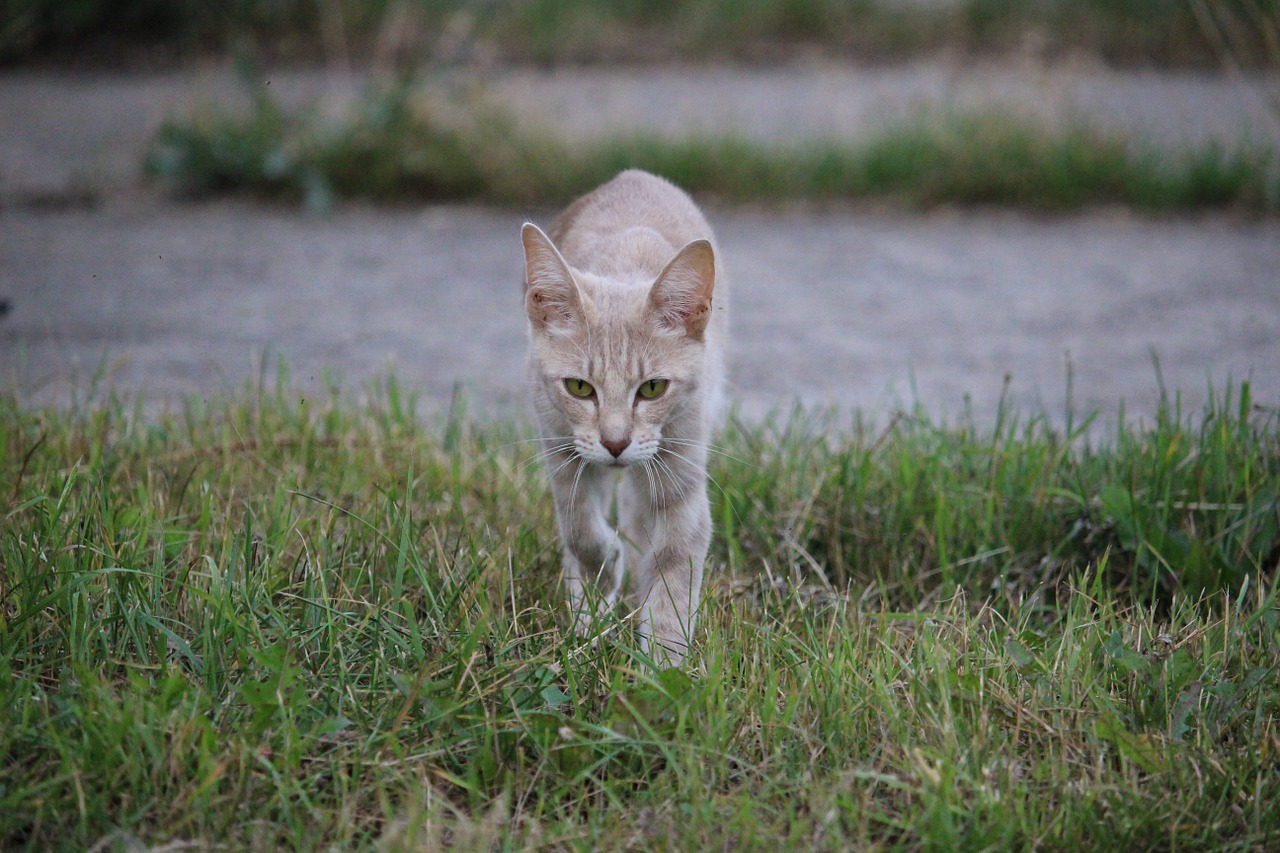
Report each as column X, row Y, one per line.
column 1064, row 206
column 1126, row 33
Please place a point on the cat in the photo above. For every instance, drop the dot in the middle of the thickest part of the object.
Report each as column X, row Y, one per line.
column 626, row 363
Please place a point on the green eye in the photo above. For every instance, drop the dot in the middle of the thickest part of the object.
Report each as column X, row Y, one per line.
column 652, row 389
column 579, row 388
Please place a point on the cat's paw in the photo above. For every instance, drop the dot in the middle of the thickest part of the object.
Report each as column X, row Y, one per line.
column 664, row 637
column 665, row 652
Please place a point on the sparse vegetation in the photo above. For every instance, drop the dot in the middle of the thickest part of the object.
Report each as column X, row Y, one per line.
column 399, row 144
column 275, row 622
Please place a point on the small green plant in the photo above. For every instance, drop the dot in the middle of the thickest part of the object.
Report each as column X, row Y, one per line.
column 299, row 622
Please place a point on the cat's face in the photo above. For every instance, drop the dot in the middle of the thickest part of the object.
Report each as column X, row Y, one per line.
column 614, row 383
column 613, row 365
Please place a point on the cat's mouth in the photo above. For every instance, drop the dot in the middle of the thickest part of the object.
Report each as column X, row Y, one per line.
column 607, row 461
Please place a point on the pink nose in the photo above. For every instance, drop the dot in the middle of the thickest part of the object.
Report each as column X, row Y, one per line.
column 616, row 447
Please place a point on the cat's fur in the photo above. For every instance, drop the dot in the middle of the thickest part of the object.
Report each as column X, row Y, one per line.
column 620, row 293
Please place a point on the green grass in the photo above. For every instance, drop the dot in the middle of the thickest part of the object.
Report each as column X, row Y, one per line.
column 283, row 623
column 1126, row 32
column 400, row 145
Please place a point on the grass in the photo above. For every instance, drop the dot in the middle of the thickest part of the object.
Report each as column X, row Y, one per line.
column 397, row 145
column 1125, row 32
column 277, row 622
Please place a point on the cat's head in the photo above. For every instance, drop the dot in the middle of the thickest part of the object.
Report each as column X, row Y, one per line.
column 616, row 363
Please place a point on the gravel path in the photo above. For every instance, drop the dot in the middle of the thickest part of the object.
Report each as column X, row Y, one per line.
column 853, row 309
column 1167, row 110
column 856, row 309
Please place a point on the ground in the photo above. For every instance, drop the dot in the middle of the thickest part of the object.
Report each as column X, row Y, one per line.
column 856, row 308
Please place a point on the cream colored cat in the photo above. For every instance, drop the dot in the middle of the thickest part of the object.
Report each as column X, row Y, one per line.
column 626, row 364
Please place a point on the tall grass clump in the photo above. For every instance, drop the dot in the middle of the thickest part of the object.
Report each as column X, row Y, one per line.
column 278, row 621
column 908, row 512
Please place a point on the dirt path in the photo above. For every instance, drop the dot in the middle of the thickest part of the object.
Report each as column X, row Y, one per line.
column 854, row 309
column 851, row 309
column 1166, row 110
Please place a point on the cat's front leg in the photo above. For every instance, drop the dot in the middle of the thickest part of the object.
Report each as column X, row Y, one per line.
column 592, row 573
column 592, row 552
column 670, row 587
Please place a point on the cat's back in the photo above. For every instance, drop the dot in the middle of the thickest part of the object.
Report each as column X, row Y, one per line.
column 637, row 219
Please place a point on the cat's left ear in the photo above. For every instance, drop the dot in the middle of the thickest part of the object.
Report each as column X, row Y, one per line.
column 681, row 295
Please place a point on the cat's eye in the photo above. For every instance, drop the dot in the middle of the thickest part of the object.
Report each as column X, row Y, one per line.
column 580, row 388
column 652, row 389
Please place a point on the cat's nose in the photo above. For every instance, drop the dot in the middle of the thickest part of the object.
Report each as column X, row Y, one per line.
column 616, row 447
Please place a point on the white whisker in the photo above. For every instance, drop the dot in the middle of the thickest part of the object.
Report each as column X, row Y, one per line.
column 570, row 458
column 677, row 485
column 660, row 485
column 573, row 489
column 648, row 474
column 710, row 448
column 693, row 464
column 548, row 455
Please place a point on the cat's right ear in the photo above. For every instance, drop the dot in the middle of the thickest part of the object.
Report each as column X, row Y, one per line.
column 550, row 294
column 682, row 293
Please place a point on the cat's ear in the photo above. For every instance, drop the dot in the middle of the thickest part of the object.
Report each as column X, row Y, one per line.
column 681, row 295
column 551, row 296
